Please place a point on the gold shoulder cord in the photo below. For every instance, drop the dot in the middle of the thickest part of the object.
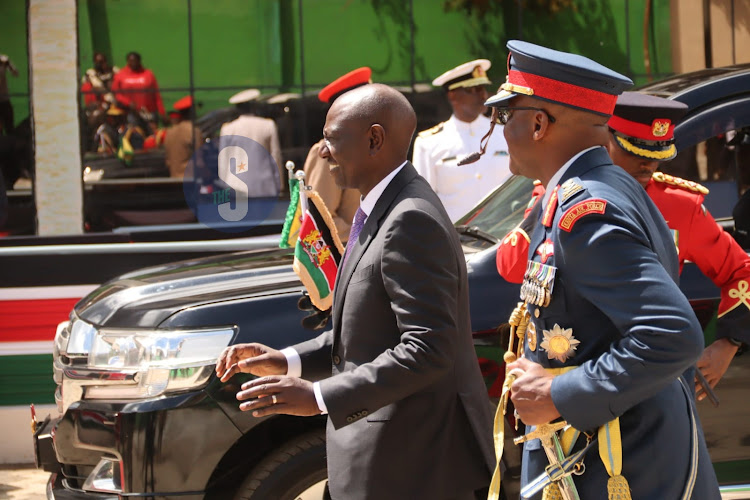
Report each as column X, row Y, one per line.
column 519, row 321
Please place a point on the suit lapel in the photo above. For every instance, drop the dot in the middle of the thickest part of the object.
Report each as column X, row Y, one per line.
column 372, row 224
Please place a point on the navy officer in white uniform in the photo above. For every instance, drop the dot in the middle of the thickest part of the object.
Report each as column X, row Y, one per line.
column 437, row 150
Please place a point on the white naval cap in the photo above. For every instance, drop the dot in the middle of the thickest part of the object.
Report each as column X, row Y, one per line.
column 244, row 96
column 468, row 74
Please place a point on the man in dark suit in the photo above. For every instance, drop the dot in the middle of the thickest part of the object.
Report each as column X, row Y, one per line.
column 397, row 375
column 609, row 331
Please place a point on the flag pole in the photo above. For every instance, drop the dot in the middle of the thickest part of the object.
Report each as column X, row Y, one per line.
column 302, row 191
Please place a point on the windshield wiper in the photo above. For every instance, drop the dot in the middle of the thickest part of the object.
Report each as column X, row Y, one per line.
column 477, row 233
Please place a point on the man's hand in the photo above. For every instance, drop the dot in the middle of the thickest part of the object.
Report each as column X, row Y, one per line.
column 257, row 359
column 293, row 396
column 530, row 393
column 713, row 363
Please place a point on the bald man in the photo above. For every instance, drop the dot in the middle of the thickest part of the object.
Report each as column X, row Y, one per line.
column 408, row 415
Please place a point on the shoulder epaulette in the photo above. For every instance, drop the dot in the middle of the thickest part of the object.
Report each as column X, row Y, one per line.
column 537, row 182
column 680, row 183
column 432, row 131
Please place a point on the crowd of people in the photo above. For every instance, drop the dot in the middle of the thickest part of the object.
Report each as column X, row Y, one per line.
column 604, row 376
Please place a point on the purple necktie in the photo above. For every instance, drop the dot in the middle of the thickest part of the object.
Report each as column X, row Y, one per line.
column 359, row 222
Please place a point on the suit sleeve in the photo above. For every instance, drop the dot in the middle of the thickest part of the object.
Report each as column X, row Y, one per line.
column 721, row 259
column 422, row 288
column 319, row 177
column 618, row 273
column 315, row 355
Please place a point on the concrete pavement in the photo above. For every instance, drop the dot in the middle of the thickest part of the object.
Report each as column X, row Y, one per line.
column 22, row 482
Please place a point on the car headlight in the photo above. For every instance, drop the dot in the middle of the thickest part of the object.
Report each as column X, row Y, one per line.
column 136, row 363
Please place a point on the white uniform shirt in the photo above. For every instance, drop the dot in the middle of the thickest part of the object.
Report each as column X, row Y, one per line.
column 436, row 154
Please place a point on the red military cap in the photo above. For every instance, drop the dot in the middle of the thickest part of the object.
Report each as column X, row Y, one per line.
column 349, row 81
column 643, row 125
column 184, row 103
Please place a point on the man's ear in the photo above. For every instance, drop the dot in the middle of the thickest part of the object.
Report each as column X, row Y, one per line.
column 377, row 138
column 541, row 122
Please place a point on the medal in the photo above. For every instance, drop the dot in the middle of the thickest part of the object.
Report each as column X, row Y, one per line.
column 559, row 343
column 531, row 335
column 538, row 282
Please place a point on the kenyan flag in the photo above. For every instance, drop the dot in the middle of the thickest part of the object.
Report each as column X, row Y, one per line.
column 318, row 251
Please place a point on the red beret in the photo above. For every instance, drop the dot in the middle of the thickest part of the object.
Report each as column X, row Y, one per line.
column 184, row 103
column 359, row 76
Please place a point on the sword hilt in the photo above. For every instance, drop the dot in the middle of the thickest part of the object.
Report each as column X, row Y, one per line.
column 543, row 432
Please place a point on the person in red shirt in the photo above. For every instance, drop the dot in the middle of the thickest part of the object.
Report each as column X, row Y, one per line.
column 136, row 88
column 642, row 136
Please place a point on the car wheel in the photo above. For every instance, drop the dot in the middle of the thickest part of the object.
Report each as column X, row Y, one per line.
column 295, row 471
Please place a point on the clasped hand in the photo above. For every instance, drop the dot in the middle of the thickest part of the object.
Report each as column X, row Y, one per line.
column 531, row 393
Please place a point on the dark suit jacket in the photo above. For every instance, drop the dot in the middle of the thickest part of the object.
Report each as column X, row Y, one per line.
column 616, row 290
column 409, row 416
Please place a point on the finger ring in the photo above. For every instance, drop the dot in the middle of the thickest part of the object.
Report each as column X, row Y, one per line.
column 273, row 398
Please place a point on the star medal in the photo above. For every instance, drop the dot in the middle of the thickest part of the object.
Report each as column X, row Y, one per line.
column 559, row 343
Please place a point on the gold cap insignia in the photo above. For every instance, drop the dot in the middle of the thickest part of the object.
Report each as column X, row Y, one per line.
column 478, row 72
column 660, row 128
column 559, row 343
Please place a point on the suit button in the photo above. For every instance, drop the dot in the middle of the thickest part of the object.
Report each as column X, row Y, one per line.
column 336, row 359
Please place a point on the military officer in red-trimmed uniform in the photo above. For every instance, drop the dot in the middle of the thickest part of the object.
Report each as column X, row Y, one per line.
column 642, row 136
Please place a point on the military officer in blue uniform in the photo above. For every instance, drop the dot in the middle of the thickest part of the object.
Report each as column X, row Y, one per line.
column 609, row 332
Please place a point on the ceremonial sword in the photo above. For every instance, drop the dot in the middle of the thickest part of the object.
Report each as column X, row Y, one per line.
column 547, row 435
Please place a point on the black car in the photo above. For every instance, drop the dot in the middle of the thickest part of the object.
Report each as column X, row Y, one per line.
column 142, row 413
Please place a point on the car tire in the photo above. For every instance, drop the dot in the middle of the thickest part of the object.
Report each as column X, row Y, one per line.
column 296, row 470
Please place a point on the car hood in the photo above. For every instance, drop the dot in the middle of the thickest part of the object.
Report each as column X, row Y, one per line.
column 146, row 297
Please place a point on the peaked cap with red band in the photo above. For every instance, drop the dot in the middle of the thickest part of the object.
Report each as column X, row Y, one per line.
column 183, row 103
column 643, row 125
column 559, row 77
column 349, row 81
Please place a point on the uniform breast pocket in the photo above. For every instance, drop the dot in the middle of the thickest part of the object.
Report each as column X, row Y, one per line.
column 362, row 274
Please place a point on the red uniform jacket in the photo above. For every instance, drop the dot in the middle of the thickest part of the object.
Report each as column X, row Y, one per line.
column 698, row 238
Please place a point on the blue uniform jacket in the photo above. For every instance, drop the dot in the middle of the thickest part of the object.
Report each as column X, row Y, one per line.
column 616, row 288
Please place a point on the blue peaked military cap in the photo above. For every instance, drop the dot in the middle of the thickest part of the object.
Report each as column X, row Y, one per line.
column 559, row 77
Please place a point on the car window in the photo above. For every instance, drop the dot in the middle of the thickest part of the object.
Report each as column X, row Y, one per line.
column 502, row 210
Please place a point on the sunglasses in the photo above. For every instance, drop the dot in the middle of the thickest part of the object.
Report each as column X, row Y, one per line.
column 502, row 115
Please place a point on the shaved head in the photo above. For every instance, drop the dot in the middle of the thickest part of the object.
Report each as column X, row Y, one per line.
column 384, row 105
column 368, row 132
